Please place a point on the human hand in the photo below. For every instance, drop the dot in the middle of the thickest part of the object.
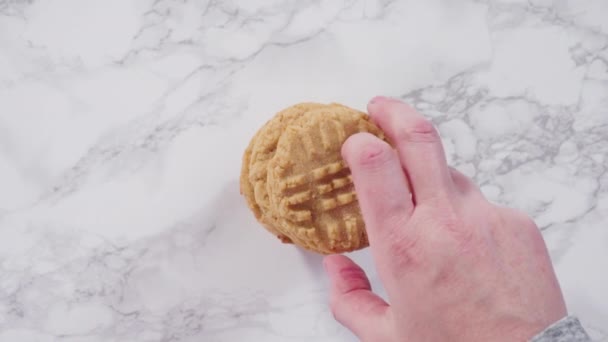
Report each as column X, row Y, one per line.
column 455, row 267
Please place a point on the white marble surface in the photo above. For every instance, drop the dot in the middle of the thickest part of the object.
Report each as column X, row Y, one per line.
column 122, row 125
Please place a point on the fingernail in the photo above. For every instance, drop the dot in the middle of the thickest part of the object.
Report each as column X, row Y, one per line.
column 377, row 99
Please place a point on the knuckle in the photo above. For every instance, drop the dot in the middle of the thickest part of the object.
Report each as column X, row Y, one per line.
column 403, row 250
column 394, row 215
column 531, row 229
column 418, row 130
column 521, row 224
column 532, row 236
column 528, row 222
column 374, row 155
column 355, row 278
column 458, row 230
column 452, row 225
column 454, row 228
column 523, row 220
column 443, row 212
column 464, row 183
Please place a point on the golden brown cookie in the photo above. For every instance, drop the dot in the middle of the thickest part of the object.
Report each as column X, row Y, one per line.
column 296, row 182
column 310, row 185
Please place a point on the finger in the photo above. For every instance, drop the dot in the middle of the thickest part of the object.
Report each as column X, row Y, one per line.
column 352, row 302
column 420, row 148
column 381, row 185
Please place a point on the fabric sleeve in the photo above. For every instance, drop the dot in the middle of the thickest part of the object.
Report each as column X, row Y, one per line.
column 568, row 329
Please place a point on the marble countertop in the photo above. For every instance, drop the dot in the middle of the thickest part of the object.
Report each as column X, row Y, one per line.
column 122, row 125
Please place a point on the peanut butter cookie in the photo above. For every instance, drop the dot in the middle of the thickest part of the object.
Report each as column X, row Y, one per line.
column 296, row 182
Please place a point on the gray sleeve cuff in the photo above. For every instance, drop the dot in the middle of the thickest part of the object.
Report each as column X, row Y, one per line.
column 568, row 329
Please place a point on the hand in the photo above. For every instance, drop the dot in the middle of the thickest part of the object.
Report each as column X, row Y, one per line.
column 455, row 267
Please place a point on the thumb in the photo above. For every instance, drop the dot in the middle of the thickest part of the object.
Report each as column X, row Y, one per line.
column 352, row 302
